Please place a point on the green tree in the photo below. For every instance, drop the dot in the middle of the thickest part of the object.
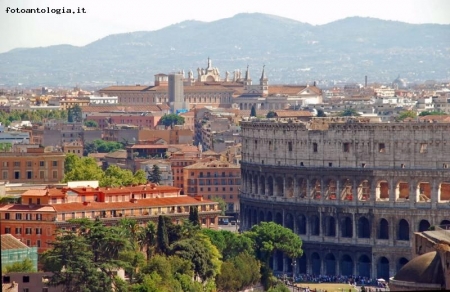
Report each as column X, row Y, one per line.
column 193, row 216
column 238, row 273
column 91, row 124
column 269, row 237
column 162, row 236
column 155, row 175
column 71, row 162
column 147, row 239
column 24, row 266
column 223, row 206
column 84, row 169
column 171, row 120
column 349, row 112
column 432, row 113
column 116, row 176
column 75, row 114
column 406, row 114
column 253, row 111
column 271, row 114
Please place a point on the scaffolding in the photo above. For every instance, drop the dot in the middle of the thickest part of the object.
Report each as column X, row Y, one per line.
column 12, row 256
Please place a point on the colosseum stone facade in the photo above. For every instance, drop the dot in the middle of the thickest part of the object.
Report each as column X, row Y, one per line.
column 354, row 191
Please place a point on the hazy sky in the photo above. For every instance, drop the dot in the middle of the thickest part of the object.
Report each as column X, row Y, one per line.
column 104, row 17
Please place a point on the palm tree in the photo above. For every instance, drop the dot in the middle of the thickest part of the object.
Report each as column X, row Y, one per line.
column 147, row 239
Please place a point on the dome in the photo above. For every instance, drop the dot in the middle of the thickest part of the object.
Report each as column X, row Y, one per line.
column 399, row 83
column 425, row 269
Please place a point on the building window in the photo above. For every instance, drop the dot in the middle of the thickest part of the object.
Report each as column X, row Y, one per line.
column 18, row 216
column 256, row 144
column 346, row 147
column 41, row 174
column 29, row 163
column 18, row 230
column 290, row 146
column 16, row 163
column 381, row 148
column 5, row 175
column 26, row 279
column 315, row 147
column 28, row 216
column 5, row 164
column 55, row 174
column 29, row 174
column 38, row 217
column 7, row 230
column 28, row 231
column 445, row 165
column 330, row 164
column 6, row 216
column 41, row 163
column 54, row 163
column 16, row 174
column 38, row 231
column 423, row 147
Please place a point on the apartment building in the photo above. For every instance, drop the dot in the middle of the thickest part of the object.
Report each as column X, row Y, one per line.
column 33, row 166
column 42, row 212
column 214, row 179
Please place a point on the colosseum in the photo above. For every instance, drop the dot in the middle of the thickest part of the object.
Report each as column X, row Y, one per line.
column 353, row 190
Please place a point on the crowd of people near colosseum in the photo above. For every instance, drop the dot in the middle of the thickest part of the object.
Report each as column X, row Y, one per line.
column 352, row 280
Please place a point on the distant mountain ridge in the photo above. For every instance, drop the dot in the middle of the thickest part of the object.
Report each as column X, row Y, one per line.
column 293, row 52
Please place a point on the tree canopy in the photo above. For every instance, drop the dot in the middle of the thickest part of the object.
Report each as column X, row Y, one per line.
column 271, row 114
column 406, row 114
column 432, row 113
column 253, row 111
column 75, row 114
column 101, row 146
column 155, row 175
column 91, row 124
column 171, row 120
column 349, row 112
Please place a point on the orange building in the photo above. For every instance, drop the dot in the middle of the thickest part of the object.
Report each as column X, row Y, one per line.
column 42, row 212
column 214, row 179
column 33, row 166
column 75, row 147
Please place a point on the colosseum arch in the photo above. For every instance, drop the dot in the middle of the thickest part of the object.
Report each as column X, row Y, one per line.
column 346, row 264
column 279, row 181
column 383, row 268
column 382, row 191
column 424, row 225
column 423, row 191
column 401, row 262
column 347, row 227
column 261, row 217
column 403, row 230
column 363, row 190
column 314, row 225
column 250, row 183
column 444, row 191
column 262, row 183
column 302, row 264
column 316, row 263
column 402, row 191
column 363, row 227
column 383, row 229
column 315, row 189
column 278, row 218
column 445, row 224
column 289, row 187
column 289, row 221
column 364, row 266
column 302, row 185
column 254, row 217
column 301, row 224
column 330, row 226
column 330, row 265
column 331, row 189
column 269, row 217
column 270, row 185
column 279, row 259
column 347, row 190
column 256, row 185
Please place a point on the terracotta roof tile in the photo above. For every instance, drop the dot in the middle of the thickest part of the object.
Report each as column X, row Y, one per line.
column 10, row 242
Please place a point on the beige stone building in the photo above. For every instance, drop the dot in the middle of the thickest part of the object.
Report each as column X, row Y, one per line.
column 354, row 191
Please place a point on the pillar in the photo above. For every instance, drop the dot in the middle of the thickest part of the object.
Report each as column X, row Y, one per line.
column 296, row 189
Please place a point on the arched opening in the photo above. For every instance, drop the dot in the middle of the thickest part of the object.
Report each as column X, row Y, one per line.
column 289, row 222
column 269, row 216
column 444, row 191
column 364, row 191
column 302, row 187
column 347, row 190
column 424, row 225
column 346, row 265
column 347, row 228
column 383, row 229
column 364, row 266
column 280, row 186
column 250, row 183
column 445, row 224
column 403, row 230
column 330, row 226
column 261, row 217
column 289, row 187
column 382, row 193
column 255, row 217
column 383, row 268
column 401, row 262
column 331, row 191
column 302, row 264
column 263, row 185
column 256, row 188
column 330, row 265
column 363, row 228
column 315, row 263
column 315, row 225
column 279, row 259
column 301, row 224
column 279, row 218
column 423, row 192
column 402, row 191
column 270, row 185
column 315, row 189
